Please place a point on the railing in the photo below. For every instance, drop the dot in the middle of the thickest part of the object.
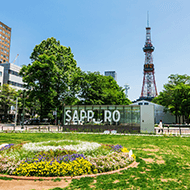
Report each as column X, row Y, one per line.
column 69, row 128
column 30, row 128
column 174, row 129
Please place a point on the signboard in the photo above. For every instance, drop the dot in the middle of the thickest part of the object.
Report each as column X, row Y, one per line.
column 89, row 115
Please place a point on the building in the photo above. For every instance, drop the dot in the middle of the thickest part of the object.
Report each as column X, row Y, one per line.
column 1, row 75
column 5, row 42
column 11, row 76
column 159, row 112
column 111, row 73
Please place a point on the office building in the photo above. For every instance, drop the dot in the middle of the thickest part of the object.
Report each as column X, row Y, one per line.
column 11, row 76
column 5, row 41
column 111, row 73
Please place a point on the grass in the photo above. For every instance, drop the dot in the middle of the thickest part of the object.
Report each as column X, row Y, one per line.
column 164, row 161
column 6, row 178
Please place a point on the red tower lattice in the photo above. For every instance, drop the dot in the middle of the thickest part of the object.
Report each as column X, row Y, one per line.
column 149, row 90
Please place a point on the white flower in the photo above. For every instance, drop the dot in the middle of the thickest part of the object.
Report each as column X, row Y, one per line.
column 82, row 146
column 2, row 145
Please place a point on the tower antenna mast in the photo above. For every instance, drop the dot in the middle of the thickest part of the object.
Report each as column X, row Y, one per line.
column 149, row 90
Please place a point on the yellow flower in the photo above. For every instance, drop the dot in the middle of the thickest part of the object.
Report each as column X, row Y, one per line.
column 124, row 150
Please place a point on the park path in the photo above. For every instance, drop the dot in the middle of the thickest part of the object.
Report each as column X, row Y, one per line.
column 29, row 185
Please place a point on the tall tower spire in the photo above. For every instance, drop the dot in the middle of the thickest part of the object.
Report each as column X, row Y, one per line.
column 149, row 90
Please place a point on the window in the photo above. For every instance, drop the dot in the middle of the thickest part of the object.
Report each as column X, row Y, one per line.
column 15, row 83
column 3, row 31
column 0, row 30
column 140, row 103
column 146, row 103
column 0, row 74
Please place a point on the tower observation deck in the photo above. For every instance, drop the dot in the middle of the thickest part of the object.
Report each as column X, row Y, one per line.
column 149, row 90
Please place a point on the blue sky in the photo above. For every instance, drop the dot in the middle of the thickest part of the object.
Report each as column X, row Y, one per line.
column 105, row 34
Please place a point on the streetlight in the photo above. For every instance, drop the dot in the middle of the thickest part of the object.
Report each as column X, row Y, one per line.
column 63, row 113
column 16, row 111
column 23, row 112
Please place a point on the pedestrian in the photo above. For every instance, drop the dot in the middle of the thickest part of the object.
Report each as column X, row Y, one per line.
column 160, row 127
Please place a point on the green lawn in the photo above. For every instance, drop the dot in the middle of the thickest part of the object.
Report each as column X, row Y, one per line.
column 164, row 161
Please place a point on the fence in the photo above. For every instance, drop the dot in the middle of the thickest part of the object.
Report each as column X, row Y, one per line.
column 75, row 128
column 174, row 129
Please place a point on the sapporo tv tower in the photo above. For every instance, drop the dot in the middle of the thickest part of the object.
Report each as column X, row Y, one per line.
column 149, row 90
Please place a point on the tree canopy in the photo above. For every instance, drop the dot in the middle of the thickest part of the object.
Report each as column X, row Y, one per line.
column 51, row 75
column 97, row 89
column 176, row 96
column 7, row 99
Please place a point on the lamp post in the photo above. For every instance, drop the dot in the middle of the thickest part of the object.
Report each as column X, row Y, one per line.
column 63, row 113
column 23, row 111
column 16, row 112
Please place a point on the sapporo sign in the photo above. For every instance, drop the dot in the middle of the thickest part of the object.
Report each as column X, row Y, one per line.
column 89, row 115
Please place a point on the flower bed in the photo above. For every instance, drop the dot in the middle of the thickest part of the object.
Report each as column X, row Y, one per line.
column 66, row 158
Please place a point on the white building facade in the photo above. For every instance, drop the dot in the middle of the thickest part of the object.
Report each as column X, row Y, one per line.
column 11, row 76
column 159, row 113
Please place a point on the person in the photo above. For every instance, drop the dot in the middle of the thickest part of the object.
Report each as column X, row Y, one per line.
column 160, row 127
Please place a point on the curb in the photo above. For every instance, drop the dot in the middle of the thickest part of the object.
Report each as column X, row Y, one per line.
column 134, row 164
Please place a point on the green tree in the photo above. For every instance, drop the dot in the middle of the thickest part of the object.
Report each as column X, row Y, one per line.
column 176, row 96
column 97, row 89
column 51, row 78
column 7, row 99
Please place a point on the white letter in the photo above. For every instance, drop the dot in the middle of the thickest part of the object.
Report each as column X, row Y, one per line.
column 90, row 116
column 75, row 116
column 81, row 113
column 105, row 115
column 68, row 115
column 118, row 116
